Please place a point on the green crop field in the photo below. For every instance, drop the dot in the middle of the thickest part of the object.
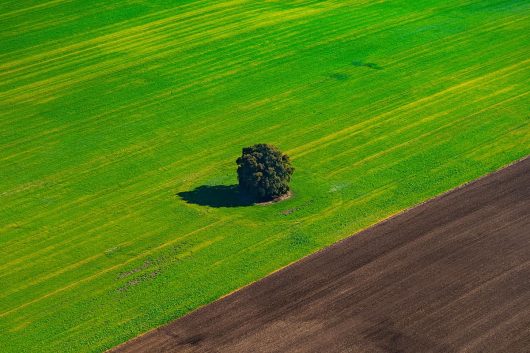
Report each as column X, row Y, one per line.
column 112, row 113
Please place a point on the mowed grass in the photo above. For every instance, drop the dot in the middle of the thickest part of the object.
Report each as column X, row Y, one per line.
column 108, row 110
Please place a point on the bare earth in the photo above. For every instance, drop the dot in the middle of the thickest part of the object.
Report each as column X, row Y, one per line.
column 451, row 275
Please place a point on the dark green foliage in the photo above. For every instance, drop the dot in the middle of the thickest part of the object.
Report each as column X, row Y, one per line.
column 264, row 172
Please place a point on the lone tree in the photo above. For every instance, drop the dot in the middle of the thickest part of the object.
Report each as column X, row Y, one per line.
column 264, row 172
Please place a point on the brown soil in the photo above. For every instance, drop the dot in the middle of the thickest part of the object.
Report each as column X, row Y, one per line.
column 276, row 200
column 451, row 275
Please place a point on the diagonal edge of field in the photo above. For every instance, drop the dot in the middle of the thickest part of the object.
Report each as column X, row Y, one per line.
column 136, row 343
column 379, row 223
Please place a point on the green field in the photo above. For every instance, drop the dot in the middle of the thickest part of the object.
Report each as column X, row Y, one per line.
column 110, row 109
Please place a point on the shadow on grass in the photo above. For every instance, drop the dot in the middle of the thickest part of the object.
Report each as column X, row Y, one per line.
column 216, row 196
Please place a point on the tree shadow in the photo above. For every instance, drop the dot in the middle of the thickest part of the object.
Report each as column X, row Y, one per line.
column 216, row 196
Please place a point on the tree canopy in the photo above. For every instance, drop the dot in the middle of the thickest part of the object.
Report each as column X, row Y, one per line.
column 264, row 172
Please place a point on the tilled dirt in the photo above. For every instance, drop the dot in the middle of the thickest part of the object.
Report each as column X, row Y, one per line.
column 451, row 275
